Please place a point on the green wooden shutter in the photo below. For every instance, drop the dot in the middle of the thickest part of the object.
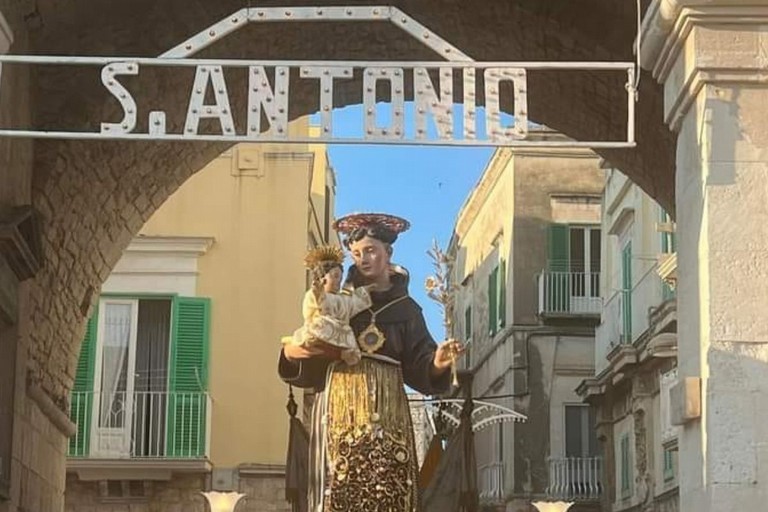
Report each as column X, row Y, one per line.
column 557, row 244
column 493, row 294
column 669, row 465
column 81, row 403
column 502, row 294
column 468, row 324
column 557, row 294
column 188, row 378
column 626, row 293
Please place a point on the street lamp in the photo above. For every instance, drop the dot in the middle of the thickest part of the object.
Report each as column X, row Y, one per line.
column 552, row 506
column 222, row 501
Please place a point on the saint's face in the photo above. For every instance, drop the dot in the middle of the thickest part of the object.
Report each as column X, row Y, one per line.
column 371, row 257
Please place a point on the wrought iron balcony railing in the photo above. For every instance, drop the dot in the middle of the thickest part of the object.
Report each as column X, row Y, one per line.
column 491, row 484
column 142, row 424
column 569, row 293
column 575, row 478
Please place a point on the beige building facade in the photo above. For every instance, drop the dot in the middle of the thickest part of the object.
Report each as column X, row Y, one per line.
column 527, row 265
column 173, row 395
column 636, row 352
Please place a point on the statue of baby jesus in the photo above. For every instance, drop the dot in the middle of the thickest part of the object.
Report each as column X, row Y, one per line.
column 326, row 311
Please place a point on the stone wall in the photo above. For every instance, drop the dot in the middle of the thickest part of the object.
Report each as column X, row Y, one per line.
column 37, row 466
column 263, row 493
column 180, row 494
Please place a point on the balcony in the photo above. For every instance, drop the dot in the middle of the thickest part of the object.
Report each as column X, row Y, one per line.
column 575, row 478
column 569, row 294
column 148, row 425
column 491, row 484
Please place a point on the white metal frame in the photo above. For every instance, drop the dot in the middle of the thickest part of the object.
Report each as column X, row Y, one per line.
column 428, row 101
column 485, row 414
column 237, row 20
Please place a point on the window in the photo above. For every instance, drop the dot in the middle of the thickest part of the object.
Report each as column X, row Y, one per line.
column 497, row 298
column 575, row 251
column 493, row 293
column 625, row 467
column 141, row 379
column 580, row 437
column 667, row 233
column 626, row 293
column 669, row 465
column 496, row 443
column 125, row 491
column 468, row 324
column 669, row 432
column 668, row 246
column 501, row 442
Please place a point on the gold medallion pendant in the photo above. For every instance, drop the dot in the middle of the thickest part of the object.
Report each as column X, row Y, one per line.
column 371, row 339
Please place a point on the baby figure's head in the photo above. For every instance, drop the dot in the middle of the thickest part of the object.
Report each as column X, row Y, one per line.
column 325, row 263
column 332, row 279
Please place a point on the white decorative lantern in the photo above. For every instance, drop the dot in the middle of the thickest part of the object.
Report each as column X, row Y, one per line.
column 222, row 501
column 552, row 506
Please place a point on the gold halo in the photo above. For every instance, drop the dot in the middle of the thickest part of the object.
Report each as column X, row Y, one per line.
column 324, row 254
column 351, row 222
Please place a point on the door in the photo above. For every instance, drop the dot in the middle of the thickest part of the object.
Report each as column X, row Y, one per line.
column 115, row 378
column 584, row 267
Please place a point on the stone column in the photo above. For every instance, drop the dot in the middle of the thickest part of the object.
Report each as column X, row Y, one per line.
column 712, row 58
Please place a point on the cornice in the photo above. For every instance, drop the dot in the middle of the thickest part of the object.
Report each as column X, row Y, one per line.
column 685, row 65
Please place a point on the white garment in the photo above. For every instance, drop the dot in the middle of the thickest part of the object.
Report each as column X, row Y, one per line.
column 326, row 318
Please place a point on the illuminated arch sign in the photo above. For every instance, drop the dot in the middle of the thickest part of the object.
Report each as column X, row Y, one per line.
column 440, row 113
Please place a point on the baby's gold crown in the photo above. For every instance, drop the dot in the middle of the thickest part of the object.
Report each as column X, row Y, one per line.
column 324, row 254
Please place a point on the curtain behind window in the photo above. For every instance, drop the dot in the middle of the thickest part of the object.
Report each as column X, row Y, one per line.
column 151, row 384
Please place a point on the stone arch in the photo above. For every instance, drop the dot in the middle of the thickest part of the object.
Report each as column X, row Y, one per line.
column 94, row 196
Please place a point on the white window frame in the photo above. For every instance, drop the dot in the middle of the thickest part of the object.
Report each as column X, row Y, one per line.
column 95, row 449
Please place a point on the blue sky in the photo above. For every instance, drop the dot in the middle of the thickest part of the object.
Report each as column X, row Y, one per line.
column 426, row 185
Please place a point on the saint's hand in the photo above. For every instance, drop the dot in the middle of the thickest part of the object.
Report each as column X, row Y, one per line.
column 317, row 349
column 446, row 354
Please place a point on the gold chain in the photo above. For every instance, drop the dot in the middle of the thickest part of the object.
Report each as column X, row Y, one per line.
column 371, row 338
column 385, row 306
